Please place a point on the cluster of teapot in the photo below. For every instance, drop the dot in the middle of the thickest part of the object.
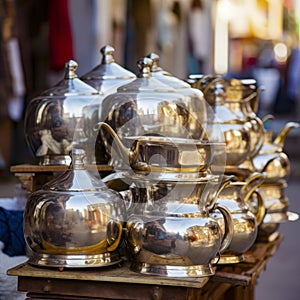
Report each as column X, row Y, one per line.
column 199, row 176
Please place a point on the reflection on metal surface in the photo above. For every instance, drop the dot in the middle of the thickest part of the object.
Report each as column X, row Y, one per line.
column 75, row 220
column 53, row 120
column 165, row 154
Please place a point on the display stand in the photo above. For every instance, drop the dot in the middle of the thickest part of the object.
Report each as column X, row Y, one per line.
column 235, row 281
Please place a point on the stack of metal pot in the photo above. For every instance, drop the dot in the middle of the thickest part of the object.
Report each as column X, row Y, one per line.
column 254, row 151
column 158, row 134
column 274, row 162
column 74, row 220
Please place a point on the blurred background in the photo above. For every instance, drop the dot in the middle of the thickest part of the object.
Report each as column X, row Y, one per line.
column 235, row 38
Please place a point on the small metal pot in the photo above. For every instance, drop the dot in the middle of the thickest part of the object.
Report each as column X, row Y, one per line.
column 165, row 154
column 177, row 245
column 74, row 221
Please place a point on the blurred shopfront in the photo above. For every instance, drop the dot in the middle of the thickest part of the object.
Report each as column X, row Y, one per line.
column 236, row 38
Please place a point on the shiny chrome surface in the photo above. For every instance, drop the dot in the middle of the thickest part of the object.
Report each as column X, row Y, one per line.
column 173, row 242
column 164, row 154
column 53, row 120
column 74, row 261
column 271, row 159
column 146, row 106
column 108, row 75
column 194, row 96
column 274, row 197
column 247, row 192
column 244, row 229
column 236, row 132
column 74, row 220
column 190, row 197
column 173, row 271
column 277, row 206
column 169, row 226
column 105, row 78
column 238, row 100
column 247, row 213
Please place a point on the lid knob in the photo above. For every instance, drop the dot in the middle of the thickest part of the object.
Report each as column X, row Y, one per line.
column 155, row 60
column 144, row 65
column 107, row 54
column 70, row 68
column 77, row 156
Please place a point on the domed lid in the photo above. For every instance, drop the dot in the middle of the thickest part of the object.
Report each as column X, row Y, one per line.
column 71, row 85
column 145, row 81
column 144, row 88
column 76, row 178
column 107, row 74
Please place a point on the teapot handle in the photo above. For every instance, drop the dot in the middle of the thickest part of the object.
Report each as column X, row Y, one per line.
column 114, row 234
column 261, row 208
column 135, row 231
column 251, row 184
column 228, row 226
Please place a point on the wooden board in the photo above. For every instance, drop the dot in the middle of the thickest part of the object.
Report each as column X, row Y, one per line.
column 109, row 274
column 33, row 177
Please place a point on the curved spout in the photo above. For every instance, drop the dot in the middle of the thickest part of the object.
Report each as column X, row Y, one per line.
column 280, row 139
column 124, row 152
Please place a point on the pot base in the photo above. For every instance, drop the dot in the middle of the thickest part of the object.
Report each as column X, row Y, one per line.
column 173, row 271
column 280, row 217
column 231, row 259
column 74, row 261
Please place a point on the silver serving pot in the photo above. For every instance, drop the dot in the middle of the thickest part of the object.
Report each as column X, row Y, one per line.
column 271, row 159
column 174, row 245
column 164, row 154
column 246, row 205
column 146, row 106
column 74, row 221
column 53, row 120
column 105, row 78
column 170, row 232
column 108, row 75
column 198, row 107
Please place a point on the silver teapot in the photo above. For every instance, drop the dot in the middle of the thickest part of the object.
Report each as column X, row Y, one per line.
column 170, row 230
column 53, row 120
column 247, row 208
column 146, row 106
column 164, row 154
column 236, row 132
column 74, row 221
column 105, row 78
column 271, row 159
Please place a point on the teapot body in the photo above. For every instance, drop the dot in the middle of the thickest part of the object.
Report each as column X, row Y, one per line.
column 173, row 246
column 75, row 220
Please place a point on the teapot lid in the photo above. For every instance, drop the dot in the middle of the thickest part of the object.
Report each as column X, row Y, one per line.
column 107, row 71
column 76, row 178
column 165, row 76
column 71, row 85
column 145, row 82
